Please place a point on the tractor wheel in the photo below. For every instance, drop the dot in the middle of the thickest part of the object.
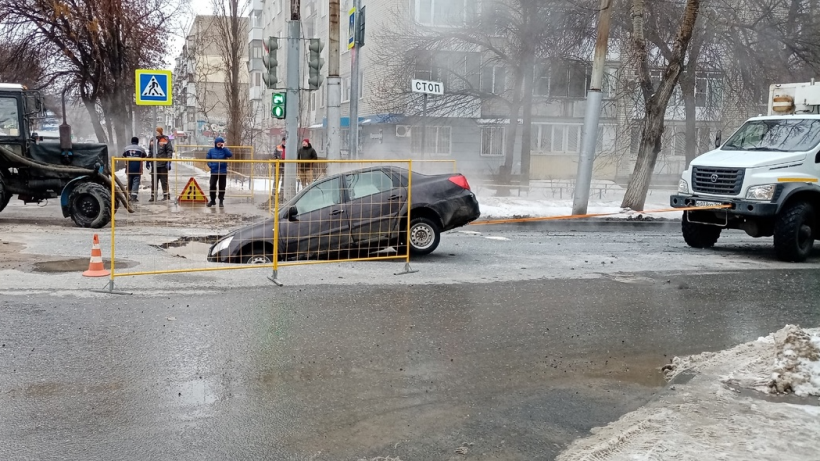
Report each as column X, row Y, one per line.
column 90, row 205
column 4, row 194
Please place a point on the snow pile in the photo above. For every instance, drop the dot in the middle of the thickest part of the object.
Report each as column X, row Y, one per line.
column 714, row 408
column 797, row 366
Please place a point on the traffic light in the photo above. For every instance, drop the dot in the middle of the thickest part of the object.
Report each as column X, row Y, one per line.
column 360, row 32
column 270, row 62
column 315, row 64
column 277, row 106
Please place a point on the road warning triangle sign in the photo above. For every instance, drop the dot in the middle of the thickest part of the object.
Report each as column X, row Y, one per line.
column 192, row 193
column 153, row 88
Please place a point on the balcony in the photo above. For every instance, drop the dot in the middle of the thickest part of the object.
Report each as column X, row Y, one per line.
column 255, row 35
column 257, row 6
column 257, row 93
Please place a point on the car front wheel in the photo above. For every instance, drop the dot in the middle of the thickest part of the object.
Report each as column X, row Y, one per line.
column 425, row 236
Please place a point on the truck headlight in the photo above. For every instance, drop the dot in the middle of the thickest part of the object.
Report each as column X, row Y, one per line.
column 683, row 187
column 764, row 192
column 221, row 245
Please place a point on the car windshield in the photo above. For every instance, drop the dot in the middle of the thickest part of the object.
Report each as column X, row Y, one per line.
column 781, row 135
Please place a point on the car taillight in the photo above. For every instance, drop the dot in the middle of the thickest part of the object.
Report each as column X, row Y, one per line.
column 460, row 181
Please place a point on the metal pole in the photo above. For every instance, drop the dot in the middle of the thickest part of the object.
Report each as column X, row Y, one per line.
column 154, row 153
column 424, row 127
column 334, row 87
column 593, row 114
column 292, row 103
column 354, row 86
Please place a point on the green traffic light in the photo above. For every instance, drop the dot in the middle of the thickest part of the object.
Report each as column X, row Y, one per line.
column 277, row 107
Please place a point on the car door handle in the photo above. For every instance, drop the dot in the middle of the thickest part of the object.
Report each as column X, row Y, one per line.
column 395, row 197
column 336, row 212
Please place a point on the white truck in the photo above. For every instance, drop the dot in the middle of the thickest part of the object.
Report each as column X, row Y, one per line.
column 766, row 174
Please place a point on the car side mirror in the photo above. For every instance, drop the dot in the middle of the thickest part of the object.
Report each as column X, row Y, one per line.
column 718, row 139
column 291, row 213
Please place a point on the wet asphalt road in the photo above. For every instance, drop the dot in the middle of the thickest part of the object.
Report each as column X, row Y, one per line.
column 510, row 370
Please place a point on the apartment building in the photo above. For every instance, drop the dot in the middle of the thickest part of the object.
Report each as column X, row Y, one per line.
column 200, row 109
column 474, row 133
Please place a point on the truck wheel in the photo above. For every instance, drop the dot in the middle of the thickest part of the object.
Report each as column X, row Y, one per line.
column 794, row 232
column 4, row 195
column 699, row 235
column 90, row 205
column 424, row 236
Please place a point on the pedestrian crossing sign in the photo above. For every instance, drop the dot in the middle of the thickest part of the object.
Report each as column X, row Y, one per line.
column 153, row 87
column 192, row 193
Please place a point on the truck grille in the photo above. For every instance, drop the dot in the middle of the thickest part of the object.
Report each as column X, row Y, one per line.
column 718, row 181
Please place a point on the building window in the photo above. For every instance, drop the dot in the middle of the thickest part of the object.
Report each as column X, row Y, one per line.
column 345, row 89
column 492, row 141
column 708, row 90
column 437, row 141
column 568, row 80
column 446, row 13
column 322, row 98
column 556, row 139
column 313, row 101
column 493, row 79
column 456, row 70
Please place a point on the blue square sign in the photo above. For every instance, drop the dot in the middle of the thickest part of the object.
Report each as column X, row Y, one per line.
column 153, row 87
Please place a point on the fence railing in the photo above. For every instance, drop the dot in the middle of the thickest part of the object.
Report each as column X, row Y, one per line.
column 344, row 210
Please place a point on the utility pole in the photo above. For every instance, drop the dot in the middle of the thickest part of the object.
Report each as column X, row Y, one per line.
column 593, row 113
column 334, row 87
column 154, row 153
column 354, row 83
column 292, row 101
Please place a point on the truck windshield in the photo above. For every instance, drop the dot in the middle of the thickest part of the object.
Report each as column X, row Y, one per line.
column 9, row 120
column 783, row 135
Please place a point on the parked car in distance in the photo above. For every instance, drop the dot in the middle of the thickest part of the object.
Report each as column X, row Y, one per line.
column 358, row 212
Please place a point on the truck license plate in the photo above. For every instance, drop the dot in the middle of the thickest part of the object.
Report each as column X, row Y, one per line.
column 703, row 203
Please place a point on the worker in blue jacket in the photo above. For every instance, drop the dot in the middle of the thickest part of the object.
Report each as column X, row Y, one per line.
column 219, row 170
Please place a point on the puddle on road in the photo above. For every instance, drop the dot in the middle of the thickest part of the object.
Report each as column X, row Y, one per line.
column 75, row 265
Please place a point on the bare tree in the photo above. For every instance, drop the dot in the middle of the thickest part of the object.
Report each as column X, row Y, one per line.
column 656, row 97
column 93, row 48
column 231, row 41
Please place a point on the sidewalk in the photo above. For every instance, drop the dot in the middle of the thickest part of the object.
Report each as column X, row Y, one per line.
column 724, row 406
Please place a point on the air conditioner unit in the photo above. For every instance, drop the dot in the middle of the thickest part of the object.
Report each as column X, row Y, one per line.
column 402, row 131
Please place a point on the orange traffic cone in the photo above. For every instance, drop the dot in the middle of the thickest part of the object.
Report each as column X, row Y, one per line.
column 95, row 266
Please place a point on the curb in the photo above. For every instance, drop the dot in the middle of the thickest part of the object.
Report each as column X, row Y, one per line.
column 587, row 225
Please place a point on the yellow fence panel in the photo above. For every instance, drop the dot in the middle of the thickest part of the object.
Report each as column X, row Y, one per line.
column 240, row 175
column 346, row 210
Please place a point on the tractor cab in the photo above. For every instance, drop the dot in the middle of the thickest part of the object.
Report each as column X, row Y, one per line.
column 19, row 108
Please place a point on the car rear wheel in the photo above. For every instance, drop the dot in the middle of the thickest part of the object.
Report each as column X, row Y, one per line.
column 425, row 236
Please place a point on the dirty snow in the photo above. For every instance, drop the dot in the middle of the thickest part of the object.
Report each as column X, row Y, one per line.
column 727, row 411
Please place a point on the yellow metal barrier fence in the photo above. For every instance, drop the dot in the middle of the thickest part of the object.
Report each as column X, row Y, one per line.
column 360, row 213
column 240, row 173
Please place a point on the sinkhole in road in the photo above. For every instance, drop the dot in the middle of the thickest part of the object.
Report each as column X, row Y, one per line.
column 184, row 241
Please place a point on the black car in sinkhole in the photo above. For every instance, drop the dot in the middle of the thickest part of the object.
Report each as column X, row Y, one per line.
column 358, row 213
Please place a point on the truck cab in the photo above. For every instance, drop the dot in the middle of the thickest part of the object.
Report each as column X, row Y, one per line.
column 765, row 179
